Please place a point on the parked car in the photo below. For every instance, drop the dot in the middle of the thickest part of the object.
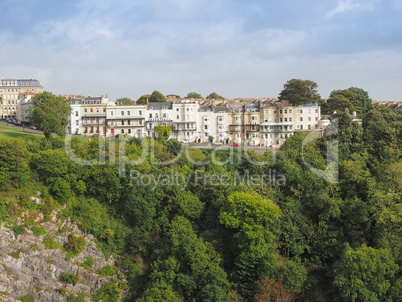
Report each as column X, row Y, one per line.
column 234, row 144
column 217, row 143
column 33, row 127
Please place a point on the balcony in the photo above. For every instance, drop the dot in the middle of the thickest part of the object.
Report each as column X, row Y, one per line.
column 93, row 123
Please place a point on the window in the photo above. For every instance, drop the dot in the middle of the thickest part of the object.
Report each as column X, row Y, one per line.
column 85, row 110
column 91, row 110
column 301, row 127
column 316, row 118
column 128, row 122
column 286, row 111
column 76, row 113
column 122, row 131
column 164, row 115
column 301, row 119
column 316, row 111
column 140, row 112
column 177, row 116
column 290, row 110
column 206, row 127
column 290, row 119
column 280, row 111
column 97, row 109
column 309, row 119
column 76, row 123
column 122, row 113
column 309, row 111
column 177, row 109
column 150, row 115
column 129, row 131
column 122, row 122
column 111, row 113
column 301, row 110
column 286, row 119
column 309, row 127
column 280, row 120
column 128, row 112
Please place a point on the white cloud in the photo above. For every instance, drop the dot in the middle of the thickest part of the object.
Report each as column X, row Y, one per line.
column 343, row 7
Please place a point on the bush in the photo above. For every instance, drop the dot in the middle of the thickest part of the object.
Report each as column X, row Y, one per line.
column 70, row 278
column 49, row 243
column 74, row 245
column 18, row 230
column 38, row 231
column 109, row 292
column 88, row 263
column 27, row 298
column 107, row 270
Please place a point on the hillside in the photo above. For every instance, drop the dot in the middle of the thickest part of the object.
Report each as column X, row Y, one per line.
column 185, row 224
column 31, row 267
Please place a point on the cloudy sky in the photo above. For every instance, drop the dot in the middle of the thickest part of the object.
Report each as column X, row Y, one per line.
column 237, row 48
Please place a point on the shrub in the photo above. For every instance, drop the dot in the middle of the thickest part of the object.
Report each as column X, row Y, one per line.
column 38, row 231
column 27, row 298
column 74, row 245
column 16, row 254
column 70, row 278
column 18, row 230
column 109, row 292
column 107, row 270
column 49, row 243
column 88, row 263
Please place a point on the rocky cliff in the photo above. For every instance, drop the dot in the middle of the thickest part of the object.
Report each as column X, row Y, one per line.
column 36, row 263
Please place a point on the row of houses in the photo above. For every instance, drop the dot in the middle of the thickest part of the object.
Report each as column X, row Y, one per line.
column 251, row 122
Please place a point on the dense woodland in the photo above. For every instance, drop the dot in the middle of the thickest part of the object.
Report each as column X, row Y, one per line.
column 306, row 240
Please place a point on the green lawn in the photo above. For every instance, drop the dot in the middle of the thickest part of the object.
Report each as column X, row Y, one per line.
column 16, row 133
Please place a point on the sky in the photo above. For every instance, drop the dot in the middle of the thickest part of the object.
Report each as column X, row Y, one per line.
column 237, row 48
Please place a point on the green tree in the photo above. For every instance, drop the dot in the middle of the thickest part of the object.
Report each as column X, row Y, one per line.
column 163, row 131
column 364, row 274
column 365, row 103
column 14, row 163
column 50, row 112
column 214, row 96
column 193, row 95
column 125, row 101
column 156, row 96
column 300, row 92
column 251, row 218
column 339, row 100
column 143, row 99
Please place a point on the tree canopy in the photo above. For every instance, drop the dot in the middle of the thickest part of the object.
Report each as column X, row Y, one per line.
column 193, row 95
column 300, row 92
column 143, row 99
column 364, row 101
column 125, row 101
column 215, row 96
column 50, row 112
column 340, row 100
column 156, row 96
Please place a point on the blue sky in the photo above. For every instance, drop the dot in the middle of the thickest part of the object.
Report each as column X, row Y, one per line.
column 235, row 48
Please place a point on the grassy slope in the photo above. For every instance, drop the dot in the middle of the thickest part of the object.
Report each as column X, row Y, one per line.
column 16, row 133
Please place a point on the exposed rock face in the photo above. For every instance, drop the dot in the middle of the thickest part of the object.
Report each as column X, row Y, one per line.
column 27, row 267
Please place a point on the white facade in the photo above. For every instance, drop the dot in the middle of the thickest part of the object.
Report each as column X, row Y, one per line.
column 185, row 119
column 158, row 113
column 307, row 118
column 126, row 119
column 22, row 109
column 75, row 119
